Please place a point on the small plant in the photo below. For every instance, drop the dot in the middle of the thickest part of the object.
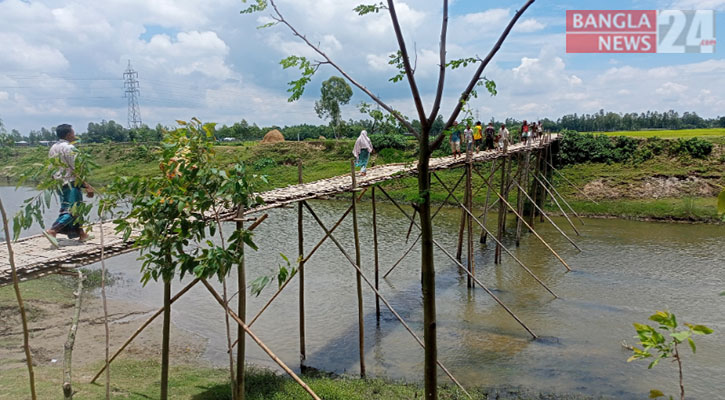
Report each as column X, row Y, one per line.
column 658, row 346
column 284, row 273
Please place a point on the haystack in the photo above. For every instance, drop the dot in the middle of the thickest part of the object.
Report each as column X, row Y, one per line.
column 273, row 136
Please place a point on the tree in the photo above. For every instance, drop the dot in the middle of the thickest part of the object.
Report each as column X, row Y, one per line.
column 333, row 93
column 406, row 71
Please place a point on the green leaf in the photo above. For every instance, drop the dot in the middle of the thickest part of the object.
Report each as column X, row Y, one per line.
column 681, row 336
column 654, row 393
column 692, row 344
column 701, row 330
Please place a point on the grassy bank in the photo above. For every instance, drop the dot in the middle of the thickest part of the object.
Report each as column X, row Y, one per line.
column 663, row 187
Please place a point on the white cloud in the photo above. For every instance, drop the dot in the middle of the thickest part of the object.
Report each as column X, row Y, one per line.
column 670, row 88
column 530, row 25
column 697, row 5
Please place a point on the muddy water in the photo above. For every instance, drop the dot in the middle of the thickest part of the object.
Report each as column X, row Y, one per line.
column 626, row 271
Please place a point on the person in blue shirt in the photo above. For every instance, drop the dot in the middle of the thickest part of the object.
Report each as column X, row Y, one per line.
column 455, row 140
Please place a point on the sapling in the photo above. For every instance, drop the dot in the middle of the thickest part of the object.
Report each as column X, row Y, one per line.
column 659, row 346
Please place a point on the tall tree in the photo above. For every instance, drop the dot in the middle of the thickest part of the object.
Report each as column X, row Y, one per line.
column 406, row 71
column 333, row 93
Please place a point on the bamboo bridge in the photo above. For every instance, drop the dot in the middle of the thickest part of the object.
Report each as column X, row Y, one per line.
column 531, row 179
column 35, row 257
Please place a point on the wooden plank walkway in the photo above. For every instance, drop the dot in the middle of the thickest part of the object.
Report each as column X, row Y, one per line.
column 35, row 257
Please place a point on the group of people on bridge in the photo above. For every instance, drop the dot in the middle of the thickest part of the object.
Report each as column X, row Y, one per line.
column 478, row 138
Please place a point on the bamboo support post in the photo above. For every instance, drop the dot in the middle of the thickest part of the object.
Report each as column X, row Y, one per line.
column 378, row 294
column 375, row 250
column 21, row 306
column 259, row 342
column 469, row 224
column 550, row 220
column 461, row 231
column 557, row 205
column 533, row 231
column 68, row 347
column 572, row 184
column 519, row 200
column 410, row 228
column 566, row 203
column 358, row 282
column 488, row 199
column 545, row 171
column 501, row 214
column 301, row 268
column 463, row 268
column 494, row 238
column 165, row 340
column 535, row 190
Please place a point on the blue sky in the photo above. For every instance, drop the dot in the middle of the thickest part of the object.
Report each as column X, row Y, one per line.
column 63, row 61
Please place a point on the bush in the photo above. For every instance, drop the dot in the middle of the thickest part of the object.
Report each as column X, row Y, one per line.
column 694, row 147
column 389, row 141
column 263, row 163
column 389, row 155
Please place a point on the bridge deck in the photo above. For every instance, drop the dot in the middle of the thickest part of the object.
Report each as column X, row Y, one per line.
column 35, row 257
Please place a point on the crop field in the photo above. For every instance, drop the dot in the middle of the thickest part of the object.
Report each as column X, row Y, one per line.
column 670, row 134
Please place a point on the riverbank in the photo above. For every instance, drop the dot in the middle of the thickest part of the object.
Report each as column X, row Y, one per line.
column 663, row 188
column 49, row 302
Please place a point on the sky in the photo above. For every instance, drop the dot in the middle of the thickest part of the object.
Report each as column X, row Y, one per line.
column 63, row 61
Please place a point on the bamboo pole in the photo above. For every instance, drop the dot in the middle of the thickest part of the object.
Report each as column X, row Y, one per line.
column 488, row 199
column 375, row 249
column 165, row 340
column 572, row 184
column 358, row 282
column 463, row 268
column 558, row 205
column 259, row 342
column 105, row 310
column 70, row 341
column 544, row 172
column 535, row 190
column 440, row 207
column 551, row 221
column 142, row 327
column 21, row 306
column 377, row 293
column 494, row 238
column 533, row 231
column 469, row 224
column 501, row 214
column 556, row 192
column 410, row 228
column 301, row 269
column 519, row 201
column 461, row 230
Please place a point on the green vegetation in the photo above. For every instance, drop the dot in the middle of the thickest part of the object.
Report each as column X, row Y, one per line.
column 670, row 134
column 652, row 341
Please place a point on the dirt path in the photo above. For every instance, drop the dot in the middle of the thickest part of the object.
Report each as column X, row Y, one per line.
column 50, row 322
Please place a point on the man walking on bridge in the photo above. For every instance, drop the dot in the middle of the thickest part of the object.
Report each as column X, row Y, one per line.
column 70, row 193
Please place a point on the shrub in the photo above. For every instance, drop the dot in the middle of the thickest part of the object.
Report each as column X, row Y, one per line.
column 263, row 163
column 694, row 147
column 389, row 141
column 389, row 155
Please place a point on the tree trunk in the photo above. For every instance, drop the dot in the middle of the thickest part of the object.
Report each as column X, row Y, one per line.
column 241, row 312
column 23, row 317
column 165, row 340
column 427, row 270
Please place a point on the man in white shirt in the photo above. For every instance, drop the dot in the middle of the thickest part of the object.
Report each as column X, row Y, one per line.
column 503, row 136
column 70, row 193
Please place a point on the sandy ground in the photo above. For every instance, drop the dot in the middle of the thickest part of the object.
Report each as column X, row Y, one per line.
column 51, row 322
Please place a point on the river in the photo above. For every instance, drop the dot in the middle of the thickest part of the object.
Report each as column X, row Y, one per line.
column 627, row 271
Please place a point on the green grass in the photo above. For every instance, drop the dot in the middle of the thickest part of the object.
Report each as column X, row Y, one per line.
column 133, row 379
column 670, row 134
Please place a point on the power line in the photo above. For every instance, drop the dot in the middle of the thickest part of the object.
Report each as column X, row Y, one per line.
column 131, row 86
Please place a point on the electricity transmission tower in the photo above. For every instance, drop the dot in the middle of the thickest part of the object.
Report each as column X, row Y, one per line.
column 131, row 87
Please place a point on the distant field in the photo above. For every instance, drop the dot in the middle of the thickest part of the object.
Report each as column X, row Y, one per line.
column 669, row 134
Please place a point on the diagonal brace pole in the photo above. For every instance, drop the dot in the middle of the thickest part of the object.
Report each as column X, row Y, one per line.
column 501, row 244
column 377, row 293
column 563, row 199
column 557, row 204
column 464, row 269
